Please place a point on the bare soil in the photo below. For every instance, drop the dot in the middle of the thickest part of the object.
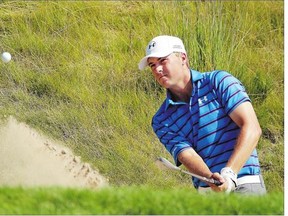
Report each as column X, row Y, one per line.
column 28, row 158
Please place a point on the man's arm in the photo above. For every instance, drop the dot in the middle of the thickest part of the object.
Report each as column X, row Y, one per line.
column 194, row 163
column 245, row 117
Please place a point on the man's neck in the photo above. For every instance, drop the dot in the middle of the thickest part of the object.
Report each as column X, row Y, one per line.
column 182, row 92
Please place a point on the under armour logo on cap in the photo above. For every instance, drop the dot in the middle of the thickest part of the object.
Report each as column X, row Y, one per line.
column 152, row 44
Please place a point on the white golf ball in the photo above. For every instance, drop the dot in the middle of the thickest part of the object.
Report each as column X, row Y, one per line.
column 6, row 57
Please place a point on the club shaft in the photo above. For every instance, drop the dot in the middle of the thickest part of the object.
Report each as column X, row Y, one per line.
column 173, row 167
column 199, row 177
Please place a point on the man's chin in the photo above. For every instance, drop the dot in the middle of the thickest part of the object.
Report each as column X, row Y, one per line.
column 164, row 82
column 165, row 85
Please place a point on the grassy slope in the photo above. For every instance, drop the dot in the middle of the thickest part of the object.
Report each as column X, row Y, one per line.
column 74, row 75
column 134, row 201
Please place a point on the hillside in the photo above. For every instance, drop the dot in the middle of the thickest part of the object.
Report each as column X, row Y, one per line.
column 74, row 75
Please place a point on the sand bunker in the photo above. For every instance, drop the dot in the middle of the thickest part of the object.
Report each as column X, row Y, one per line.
column 30, row 159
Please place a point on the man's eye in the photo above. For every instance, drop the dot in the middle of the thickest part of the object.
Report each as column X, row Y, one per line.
column 163, row 60
column 152, row 65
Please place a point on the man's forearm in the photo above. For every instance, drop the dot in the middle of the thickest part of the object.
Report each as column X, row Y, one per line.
column 246, row 143
column 245, row 117
column 194, row 163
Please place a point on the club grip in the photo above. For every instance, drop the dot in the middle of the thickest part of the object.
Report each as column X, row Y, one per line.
column 217, row 183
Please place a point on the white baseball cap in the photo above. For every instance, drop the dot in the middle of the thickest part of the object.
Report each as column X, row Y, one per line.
column 162, row 46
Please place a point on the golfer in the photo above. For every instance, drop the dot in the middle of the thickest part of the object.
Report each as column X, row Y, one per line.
column 207, row 122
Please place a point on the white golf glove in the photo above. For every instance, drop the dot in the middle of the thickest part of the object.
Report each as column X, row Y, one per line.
column 228, row 174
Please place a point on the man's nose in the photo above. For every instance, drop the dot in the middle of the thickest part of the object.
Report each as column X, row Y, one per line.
column 159, row 68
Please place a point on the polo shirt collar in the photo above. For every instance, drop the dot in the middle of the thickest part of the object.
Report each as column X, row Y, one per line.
column 196, row 75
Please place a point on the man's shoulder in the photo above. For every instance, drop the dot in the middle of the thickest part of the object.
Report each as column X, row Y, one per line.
column 216, row 76
column 216, row 73
column 209, row 75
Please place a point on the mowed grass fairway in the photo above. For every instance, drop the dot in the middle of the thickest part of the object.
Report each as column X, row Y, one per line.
column 134, row 201
column 74, row 76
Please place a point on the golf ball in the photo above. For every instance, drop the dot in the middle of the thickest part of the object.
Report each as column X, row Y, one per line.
column 6, row 57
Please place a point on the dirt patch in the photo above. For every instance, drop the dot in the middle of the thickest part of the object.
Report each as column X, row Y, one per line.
column 31, row 159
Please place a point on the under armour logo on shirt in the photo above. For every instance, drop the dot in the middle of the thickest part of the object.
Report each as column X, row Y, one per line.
column 202, row 100
column 153, row 44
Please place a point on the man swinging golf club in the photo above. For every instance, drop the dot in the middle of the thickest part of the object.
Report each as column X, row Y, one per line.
column 207, row 122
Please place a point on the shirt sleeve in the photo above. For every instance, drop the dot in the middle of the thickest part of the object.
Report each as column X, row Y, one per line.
column 230, row 91
column 173, row 142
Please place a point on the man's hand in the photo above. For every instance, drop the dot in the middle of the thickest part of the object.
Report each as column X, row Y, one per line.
column 228, row 180
column 219, row 178
column 228, row 174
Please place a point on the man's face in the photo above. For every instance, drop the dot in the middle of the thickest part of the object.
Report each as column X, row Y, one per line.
column 167, row 70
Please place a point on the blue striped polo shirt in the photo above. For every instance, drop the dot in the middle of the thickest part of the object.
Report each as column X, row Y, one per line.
column 204, row 123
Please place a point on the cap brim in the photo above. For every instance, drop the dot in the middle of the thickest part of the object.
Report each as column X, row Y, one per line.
column 143, row 62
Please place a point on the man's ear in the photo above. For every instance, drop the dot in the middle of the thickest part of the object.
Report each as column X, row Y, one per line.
column 184, row 58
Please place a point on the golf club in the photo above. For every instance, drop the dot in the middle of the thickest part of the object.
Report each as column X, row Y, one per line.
column 169, row 165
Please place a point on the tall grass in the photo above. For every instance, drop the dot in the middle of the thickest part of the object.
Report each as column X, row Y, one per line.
column 74, row 74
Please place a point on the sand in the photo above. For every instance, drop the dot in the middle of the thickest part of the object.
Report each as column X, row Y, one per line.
column 28, row 158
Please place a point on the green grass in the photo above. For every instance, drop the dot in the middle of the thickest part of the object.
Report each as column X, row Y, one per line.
column 134, row 201
column 74, row 75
